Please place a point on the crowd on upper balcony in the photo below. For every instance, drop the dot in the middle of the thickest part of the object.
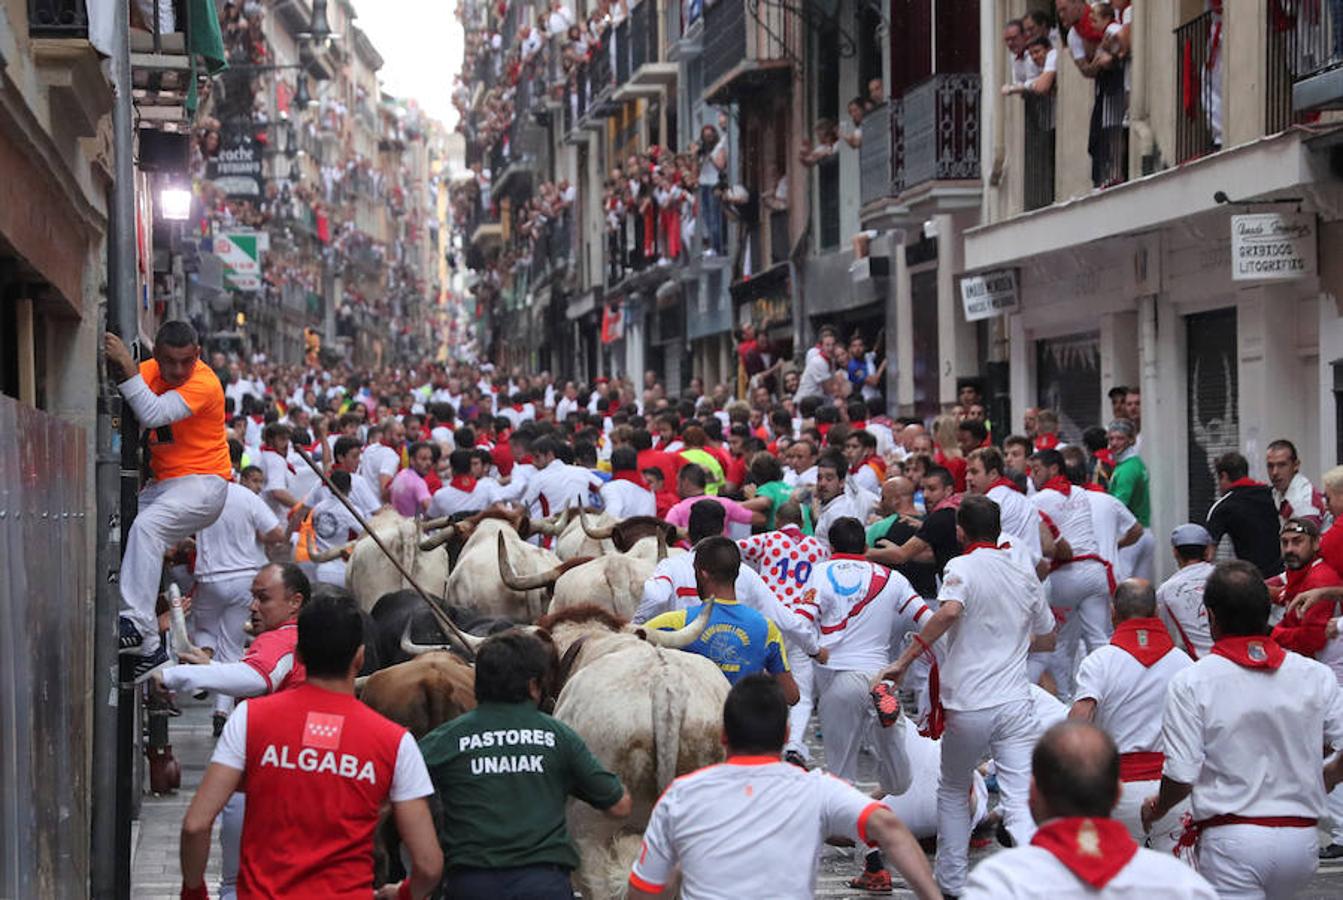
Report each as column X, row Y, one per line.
column 1096, row 37
column 831, row 135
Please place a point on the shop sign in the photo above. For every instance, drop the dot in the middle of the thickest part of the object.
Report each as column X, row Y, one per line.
column 240, row 252
column 236, row 169
column 989, row 294
column 1272, row 246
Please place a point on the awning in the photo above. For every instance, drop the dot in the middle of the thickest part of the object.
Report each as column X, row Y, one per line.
column 1257, row 170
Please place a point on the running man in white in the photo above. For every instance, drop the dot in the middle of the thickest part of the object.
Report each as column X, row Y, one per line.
column 1243, row 732
column 1179, row 600
column 753, row 826
column 178, row 399
column 992, row 612
column 1122, row 688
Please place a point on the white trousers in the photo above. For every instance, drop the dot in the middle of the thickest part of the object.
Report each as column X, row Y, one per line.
column 849, row 721
column 799, row 714
column 1006, row 732
column 169, row 511
column 1253, row 862
column 333, row 572
column 230, row 845
column 219, row 611
column 1166, row 831
column 1335, row 801
column 1138, row 560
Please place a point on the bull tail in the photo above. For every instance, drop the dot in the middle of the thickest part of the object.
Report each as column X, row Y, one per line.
column 669, row 709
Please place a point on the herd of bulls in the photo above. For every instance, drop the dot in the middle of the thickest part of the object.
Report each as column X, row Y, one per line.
column 647, row 712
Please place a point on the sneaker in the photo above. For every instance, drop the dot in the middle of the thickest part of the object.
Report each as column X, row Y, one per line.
column 872, row 882
column 200, row 695
column 135, row 669
column 1333, row 851
column 795, row 758
column 887, row 702
column 129, row 639
column 1004, row 836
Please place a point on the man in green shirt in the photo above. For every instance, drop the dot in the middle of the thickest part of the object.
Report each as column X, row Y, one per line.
column 503, row 773
column 1129, row 484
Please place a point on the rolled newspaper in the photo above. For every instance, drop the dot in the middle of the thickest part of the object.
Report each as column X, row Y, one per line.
column 177, row 623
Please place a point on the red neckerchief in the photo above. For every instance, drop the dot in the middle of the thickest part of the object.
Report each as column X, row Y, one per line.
column 952, row 502
column 1244, row 482
column 1251, row 651
column 464, row 483
column 527, row 460
column 1095, row 850
column 1105, row 456
column 1146, row 640
column 1296, row 579
column 977, row 545
column 793, row 533
column 1046, row 441
column 857, row 426
column 1094, row 487
column 268, row 449
column 1058, row 483
column 390, row 446
column 823, row 428
column 517, row 407
column 876, row 462
column 631, row 476
column 1000, row 481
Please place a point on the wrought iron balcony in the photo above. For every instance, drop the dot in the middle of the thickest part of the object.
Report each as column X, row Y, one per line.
column 1199, row 88
column 58, row 19
column 745, row 47
column 874, row 155
column 1037, row 157
column 643, row 69
column 936, row 132
column 1305, row 60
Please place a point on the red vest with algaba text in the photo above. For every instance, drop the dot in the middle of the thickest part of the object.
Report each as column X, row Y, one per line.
column 319, row 766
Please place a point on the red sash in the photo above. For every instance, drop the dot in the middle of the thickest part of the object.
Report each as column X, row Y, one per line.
column 1141, row 765
column 937, row 715
column 1193, row 830
column 880, row 575
column 1091, row 557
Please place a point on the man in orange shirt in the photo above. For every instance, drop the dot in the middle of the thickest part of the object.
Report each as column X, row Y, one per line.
column 178, row 399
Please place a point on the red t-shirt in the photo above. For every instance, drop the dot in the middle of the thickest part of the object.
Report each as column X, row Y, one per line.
column 667, row 463
column 319, row 767
column 273, row 655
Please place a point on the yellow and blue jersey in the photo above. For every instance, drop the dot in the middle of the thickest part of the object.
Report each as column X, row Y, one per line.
column 738, row 639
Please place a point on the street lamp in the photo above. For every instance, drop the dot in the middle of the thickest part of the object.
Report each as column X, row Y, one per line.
column 319, row 30
column 175, row 203
column 302, row 99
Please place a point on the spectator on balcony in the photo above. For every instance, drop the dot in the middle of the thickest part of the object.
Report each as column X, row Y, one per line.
column 876, row 93
column 1019, row 62
column 1044, row 63
column 853, row 133
column 529, row 41
column 560, row 19
column 1037, row 23
column 827, row 140
column 711, row 151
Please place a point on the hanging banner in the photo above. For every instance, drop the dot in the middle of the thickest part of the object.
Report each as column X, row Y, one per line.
column 613, row 322
column 989, row 294
column 1272, row 246
column 240, row 252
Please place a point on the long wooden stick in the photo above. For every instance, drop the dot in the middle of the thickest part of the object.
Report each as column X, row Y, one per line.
column 442, row 617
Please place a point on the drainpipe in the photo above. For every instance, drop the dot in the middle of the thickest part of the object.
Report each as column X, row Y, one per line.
column 115, row 740
column 990, row 14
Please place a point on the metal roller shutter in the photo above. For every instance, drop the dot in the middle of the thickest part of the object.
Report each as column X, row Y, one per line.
column 1068, row 379
column 1213, row 417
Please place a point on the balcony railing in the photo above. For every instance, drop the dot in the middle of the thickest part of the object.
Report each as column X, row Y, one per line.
column 619, row 39
column 740, row 41
column 1198, row 116
column 1304, row 60
column 936, row 135
column 58, row 19
column 874, row 155
column 643, row 35
column 1038, row 151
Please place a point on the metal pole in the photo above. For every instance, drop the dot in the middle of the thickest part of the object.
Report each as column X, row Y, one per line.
column 117, row 480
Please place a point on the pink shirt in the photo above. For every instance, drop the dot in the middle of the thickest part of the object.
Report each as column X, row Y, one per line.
column 409, row 493
column 679, row 515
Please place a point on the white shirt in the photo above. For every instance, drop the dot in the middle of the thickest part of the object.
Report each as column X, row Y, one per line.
column 1179, row 603
column 1018, row 517
column 855, row 624
column 278, row 478
column 984, row 663
column 814, row 375
column 786, row 560
column 1071, row 515
column 844, row 504
column 1249, row 740
column 866, row 478
column 1129, row 696
column 378, row 460
column 553, row 489
column 1033, row 872
column 623, row 499
column 794, row 478
column 1077, row 45
column 410, row 776
column 564, row 407
column 449, row 500
column 1110, row 520
column 332, row 525
column 672, row 587
column 364, row 498
column 747, row 828
column 230, row 547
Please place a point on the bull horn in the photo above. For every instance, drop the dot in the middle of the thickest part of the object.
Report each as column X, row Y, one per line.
column 434, row 541
column 682, row 637
column 433, row 524
column 178, row 623
column 662, row 544
column 597, row 534
column 329, row 555
column 359, row 684
column 543, row 526
column 522, row 583
column 411, row 648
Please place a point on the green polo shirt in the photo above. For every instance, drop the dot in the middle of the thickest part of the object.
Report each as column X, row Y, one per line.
column 503, row 773
column 1128, row 482
column 778, row 494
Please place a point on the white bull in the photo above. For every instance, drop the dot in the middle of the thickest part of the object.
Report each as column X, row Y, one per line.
column 370, row 574
column 572, row 541
column 649, row 714
column 476, row 580
column 614, row 582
